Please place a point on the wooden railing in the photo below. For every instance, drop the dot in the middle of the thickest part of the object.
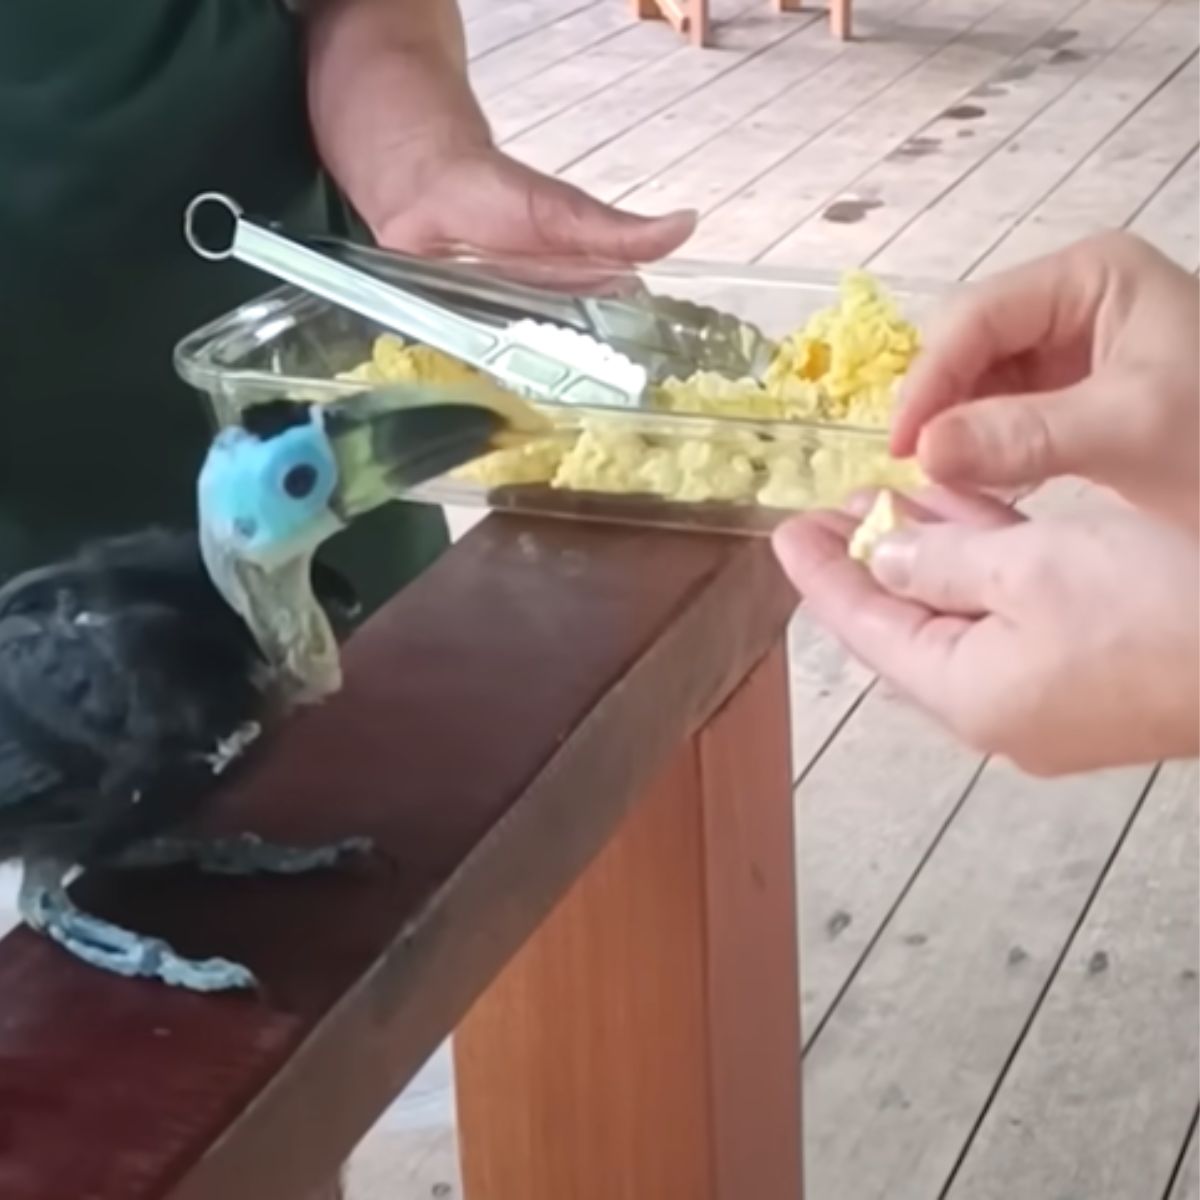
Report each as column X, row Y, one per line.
column 572, row 743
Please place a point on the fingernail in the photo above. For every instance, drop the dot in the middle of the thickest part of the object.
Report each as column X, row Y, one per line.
column 892, row 560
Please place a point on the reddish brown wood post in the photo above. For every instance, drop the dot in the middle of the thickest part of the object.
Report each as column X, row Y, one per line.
column 685, row 16
column 532, row 697
column 840, row 18
column 644, row 1044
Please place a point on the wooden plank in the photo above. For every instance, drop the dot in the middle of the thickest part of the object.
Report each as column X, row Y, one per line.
column 529, row 55
column 826, row 684
column 645, row 1042
column 1110, row 185
column 575, row 131
column 573, row 80
column 852, row 221
column 579, row 78
column 869, row 811
column 628, row 160
column 902, row 1069
column 157, row 1091
column 409, row 1164
column 1187, row 1182
column 1102, row 1091
column 896, row 40
column 950, row 237
column 497, row 28
column 1169, row 218
column 745, row 226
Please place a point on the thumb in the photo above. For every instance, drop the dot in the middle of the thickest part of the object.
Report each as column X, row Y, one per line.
column 577, row 224
column 1027, row 439
column 947, row 568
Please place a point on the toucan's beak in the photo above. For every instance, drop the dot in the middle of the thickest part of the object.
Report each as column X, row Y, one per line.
column 391, row 439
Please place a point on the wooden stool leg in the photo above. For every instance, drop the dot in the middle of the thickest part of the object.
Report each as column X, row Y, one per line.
column 645, row 1043
column 839, row 19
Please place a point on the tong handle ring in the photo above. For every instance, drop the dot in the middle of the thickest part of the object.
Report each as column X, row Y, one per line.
column 211, row 201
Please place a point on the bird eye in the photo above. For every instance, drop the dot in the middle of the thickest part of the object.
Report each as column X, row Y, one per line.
column 300, row 481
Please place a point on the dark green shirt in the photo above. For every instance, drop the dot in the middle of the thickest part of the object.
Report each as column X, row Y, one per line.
column 112, row 116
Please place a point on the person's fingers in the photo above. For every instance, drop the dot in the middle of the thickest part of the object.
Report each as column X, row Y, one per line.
column 963, row 507
column 572, row 222
column 945, row 567
column 1045, row 305
column 913, row 647
column 560, row 271
column 841, row 524
column 1008, row 441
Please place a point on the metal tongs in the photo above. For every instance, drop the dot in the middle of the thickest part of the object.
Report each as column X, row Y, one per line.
column 549, row 345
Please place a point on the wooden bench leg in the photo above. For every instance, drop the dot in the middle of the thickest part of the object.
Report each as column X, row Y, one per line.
column 839, row 15
column 685, row 16
column 839, row 19
column 645, row 1043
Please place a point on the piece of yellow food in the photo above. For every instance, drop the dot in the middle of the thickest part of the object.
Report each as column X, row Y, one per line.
column 841, row 368
column 856, row 352
column 393, row 360
column 882, row 519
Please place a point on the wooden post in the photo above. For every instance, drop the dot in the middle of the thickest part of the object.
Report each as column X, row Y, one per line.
column 644, row 1044
column 692, row 16
column 685, row 16
column 839, row 19
column 493, row 772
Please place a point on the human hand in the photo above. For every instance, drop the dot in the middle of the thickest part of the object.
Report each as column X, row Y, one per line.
column 1080, row 363
column 483, row 198
column 1027, row 639
column 395, row 121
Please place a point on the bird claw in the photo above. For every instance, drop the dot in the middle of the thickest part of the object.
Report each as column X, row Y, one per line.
column 46, row 906
column 206, row 975
column 245, row 854
column 102, row 944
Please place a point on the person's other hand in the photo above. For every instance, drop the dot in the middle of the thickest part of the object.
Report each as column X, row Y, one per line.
column 483, row 198
column 1080, row 363
column 396, row 124
column 1063, row 645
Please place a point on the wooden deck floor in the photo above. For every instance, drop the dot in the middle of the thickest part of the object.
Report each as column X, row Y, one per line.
column 1000, row 976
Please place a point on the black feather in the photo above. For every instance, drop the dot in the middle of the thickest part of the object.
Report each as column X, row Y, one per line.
column 121, row 671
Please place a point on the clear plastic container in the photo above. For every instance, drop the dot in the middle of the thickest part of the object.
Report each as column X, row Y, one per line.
column 642, row 466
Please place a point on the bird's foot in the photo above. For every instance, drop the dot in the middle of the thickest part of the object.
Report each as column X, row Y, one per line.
column 244, row 854
column 46, row 907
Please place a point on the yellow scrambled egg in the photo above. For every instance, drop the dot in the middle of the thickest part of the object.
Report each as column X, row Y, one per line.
column 882, row 519
column 394, row 360
column 841, row 368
